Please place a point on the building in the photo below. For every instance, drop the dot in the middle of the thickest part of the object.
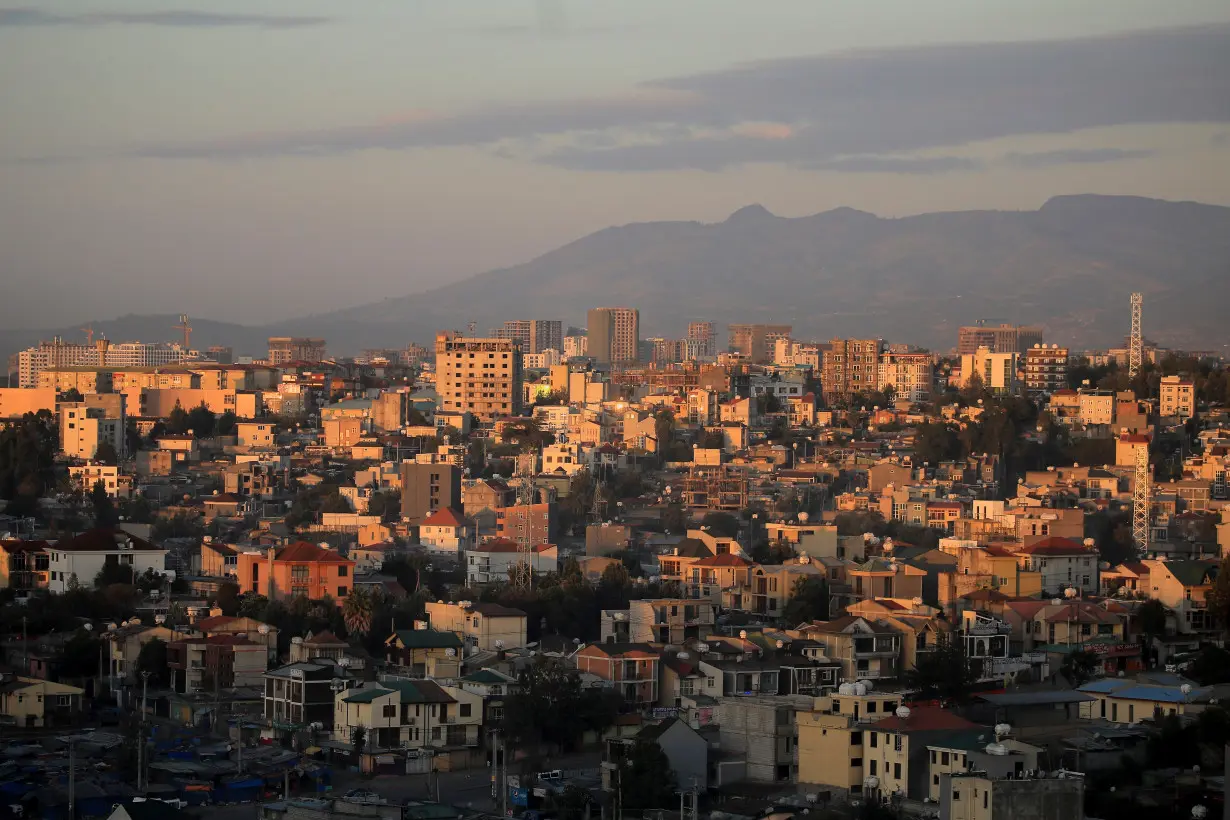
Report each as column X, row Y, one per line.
column 1176, row 398
column 447, row 531
column 757, row 342
column 832, row 736
column 85, row 425
column 301, row 693
column 575, row 347
column 89, row 475
column 31, row 703
column 614, row 335
column 409, row 714
column 910, row 375
column 488, row 627
column 24, row 565
column 283, row 349
column 850, row 366
column 478, row 376
column 83, row 556
column 15, row 402
column 428, row 488
column 761, row 730
column 492, row 561
column 301, row 568
column 101, row 354
column 1046, row 369
column 865, row 649
column 997, row 372
column 703, row 335
column 1062, row 564
column 527, row 523
column 976, row 796
column 629, row 668
column 662, row 620
column 210, row 664
column 424, row 653
column 998, row 339
column 533, row 335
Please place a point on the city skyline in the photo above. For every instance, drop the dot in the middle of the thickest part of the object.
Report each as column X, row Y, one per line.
column 310, row 178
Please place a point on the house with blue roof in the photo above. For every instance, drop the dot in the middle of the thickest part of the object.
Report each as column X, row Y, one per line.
column 1127, row 701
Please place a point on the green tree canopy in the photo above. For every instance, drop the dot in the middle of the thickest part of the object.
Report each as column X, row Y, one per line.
column 944, row 673
column 1080, row 667
column 646, row 779
column 153, row 659
column 809, row 602
column 201, row 421
column 721, row 524
column 106, row 454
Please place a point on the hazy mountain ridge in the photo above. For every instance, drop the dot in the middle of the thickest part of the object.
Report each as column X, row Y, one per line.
column 1069, row 266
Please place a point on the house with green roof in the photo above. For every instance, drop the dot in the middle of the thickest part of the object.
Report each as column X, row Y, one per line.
column 425, row 653
column 400, row 714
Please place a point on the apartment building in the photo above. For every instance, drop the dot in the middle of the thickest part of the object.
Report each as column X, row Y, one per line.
column 850, row 366
column 757, row 342
column 83, row 557
column 210, row 664
column 427, row 488
column 1176, row 398
column 660, row 620
column 761, row 730
column 865, row 649
column 447, row 531
column 1061, row 563
column 975, row 796
column 533, row 335
column 283, row 349
column 703, row 335
column 997, row 372
column 15, row 402
column 424, row 652
column 1002, row 338
column 101, row 354
column 1046, row 369
column 85, row 380
column 24, row 564
column 910, row 375
column 478, row 376
column 301, row 693
column 492, row 561
column 409, row 714
column 614, row 335
column 85, row 425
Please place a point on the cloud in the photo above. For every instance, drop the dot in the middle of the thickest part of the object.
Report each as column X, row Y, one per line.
column 899, row 165
column 32, row 18
column 1073, row 156
column 827, row 110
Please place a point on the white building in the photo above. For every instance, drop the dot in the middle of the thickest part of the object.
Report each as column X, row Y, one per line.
column 84, row 556
column 490, row 563
column 87, row 475
column 562, row 459
column 83, row 427
column 447, row 531
column 997, row 371
column 1063, row 563
column 575, row 346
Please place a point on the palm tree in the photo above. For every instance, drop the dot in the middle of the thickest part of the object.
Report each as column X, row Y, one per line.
column 357, row 611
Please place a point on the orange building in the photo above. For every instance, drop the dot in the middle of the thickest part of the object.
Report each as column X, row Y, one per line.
column 297, row 569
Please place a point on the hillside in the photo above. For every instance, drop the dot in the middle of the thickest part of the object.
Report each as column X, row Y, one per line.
column 1069, row 266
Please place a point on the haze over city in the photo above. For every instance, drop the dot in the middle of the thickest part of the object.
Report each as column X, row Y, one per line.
column 252, row 162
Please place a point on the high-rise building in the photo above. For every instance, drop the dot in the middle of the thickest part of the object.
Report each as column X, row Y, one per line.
column 850, row 366
column 478, row 376
column 703, row 335
column 575, row 346
column 1046, row 368
column 284, row 349
column 614, row 335
column 534, row 335
column 997, row 372
column 998, row 339
column 756, row 342
column 428, row 487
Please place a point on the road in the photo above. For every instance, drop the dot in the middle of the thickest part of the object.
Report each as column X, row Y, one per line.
column 469, row 788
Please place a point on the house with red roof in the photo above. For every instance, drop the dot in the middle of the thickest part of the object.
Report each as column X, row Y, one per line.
column 1062, row 564
column 302, row 568
column 447, row 531
column 83, row 556
column 491, row 561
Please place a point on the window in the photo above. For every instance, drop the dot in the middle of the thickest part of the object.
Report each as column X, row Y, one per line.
column 435, row 732
column 856, row 739
column 896, row 771
column 856, row 761
column 341, row 592
column 956, row 795
column 342, row 570
column 871, row 767
column 944, row 758
column 299, row 572
column 875, row 740
column 390, row 711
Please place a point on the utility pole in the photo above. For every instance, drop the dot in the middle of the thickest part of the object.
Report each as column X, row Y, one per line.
column 72, row 779
column 503, row 777
column 141, row 734
column 25, row 648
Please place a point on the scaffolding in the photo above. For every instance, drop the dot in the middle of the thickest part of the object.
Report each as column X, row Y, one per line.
column 715, row 488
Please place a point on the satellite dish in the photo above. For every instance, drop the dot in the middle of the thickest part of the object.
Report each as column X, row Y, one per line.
column 743, row 634
column 452, row 653
column 803, row 517
column 702, row 648
column 263, row 629
column 903, row 712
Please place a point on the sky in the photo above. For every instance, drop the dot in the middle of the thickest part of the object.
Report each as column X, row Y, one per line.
column 266, row 159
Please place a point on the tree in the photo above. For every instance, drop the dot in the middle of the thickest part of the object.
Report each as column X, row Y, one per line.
column 1210, row 666
column 79, row 657
column 358, row 739
column 1152, row 618
column 153, row 659
column 252, row 605
column 201, row 421
column 386, row 504
column 27, row 461
column 357, row 611
column 106, row 454
column 809, row 601
column 945, row 672
column 105, row 516
column 177, row 420
column 722, row 524
column 936, row 442
column 111, row 574
column 551, row 706
column 646, row 779
column 226, row 424
column 1218, row 596
column 712, row 440
column 1080, row 667
column 675, row 518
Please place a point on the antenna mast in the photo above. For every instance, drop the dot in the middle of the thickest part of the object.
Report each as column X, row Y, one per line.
column 523, row 572
column 186, row 329
column 1136, row 344
column 1141, row 506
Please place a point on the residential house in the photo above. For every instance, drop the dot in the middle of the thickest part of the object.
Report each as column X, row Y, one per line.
column 493, row 687
column 761, row 730
column 865, row 649
column 490, row 627
column 210, row 664
column 832, row 736
column 301, row 694
column 1184, row 586
column 630, row 668
column 1063, row 564
column 217, row 560
column 685, row 749
column 84, row 556
column 31, row 703
column 491, row 562
column 896, row 748
column 24, row 565
column 447, row 531
column 301, row 568
column 425, row 653
column 409, row 714
column 242, row 626
column 659, row 620
column 1123, row 700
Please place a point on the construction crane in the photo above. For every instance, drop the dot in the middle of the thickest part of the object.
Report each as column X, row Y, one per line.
column 88, row 330
column 186, row 329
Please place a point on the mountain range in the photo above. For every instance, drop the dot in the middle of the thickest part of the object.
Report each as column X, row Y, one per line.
column 1068, row 266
